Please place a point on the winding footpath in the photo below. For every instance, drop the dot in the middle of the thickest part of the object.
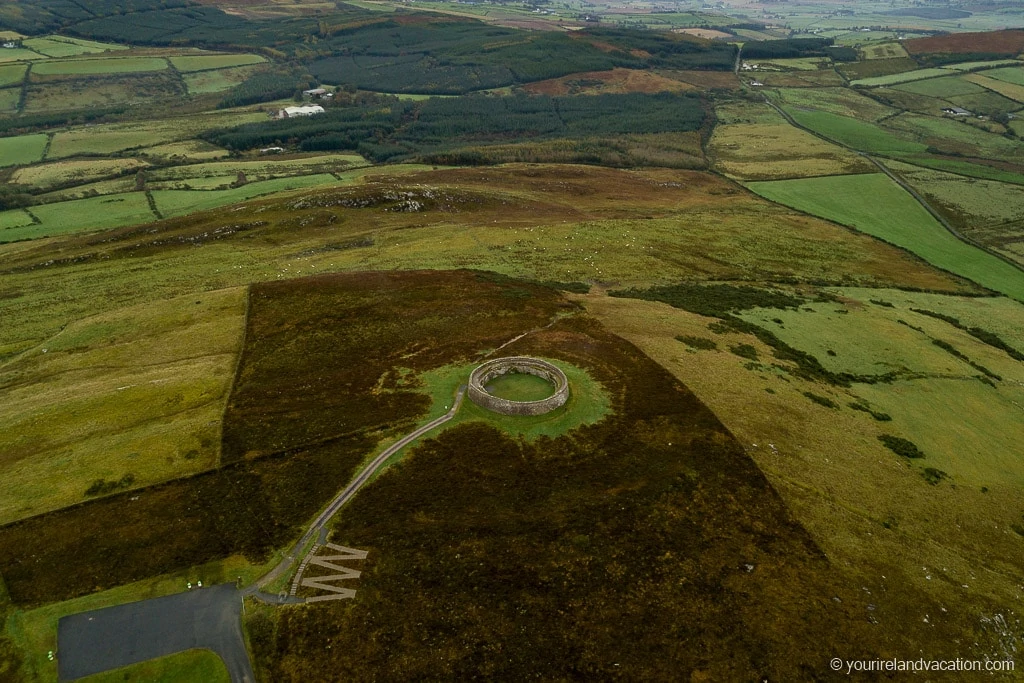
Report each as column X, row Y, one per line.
column 899, row 181
column 319, row 524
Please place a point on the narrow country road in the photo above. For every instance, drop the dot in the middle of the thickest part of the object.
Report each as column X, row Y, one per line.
column 320, row 522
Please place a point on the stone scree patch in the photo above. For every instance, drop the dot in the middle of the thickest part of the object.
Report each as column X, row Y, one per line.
column 484, row 373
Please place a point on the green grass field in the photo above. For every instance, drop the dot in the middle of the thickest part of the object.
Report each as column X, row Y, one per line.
column 9, row 99
column 219, row 80
column 894, row 216
column 81, row 215
column 842, row 101
column 184, row 667
column 56, row 48
column 520, row 387
column 941, row 87
column 264, row 168
column 884, row 51
column 118, row 137
column 138, row 391
column 1013, row 75
column 180, row 202
column 19, row 55
column 1005, row 88
column 756, row 151
column 63, row 46
column 47, row 175
column 905, row 77
column 955, row 136
column 90, row 67
column 970, row 66
column 22, row 149
column 987, row 211
column 858, row 134
column 874, row 68
column 11, row 74
column 14, row 218
column 966, row 168
column 209, row 62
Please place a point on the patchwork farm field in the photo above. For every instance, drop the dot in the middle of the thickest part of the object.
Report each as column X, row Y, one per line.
column 93, row 213
column 796, row 395
column 81, row 67
column 855, row 133
column 189, row 63
column 48, row 175
column 894, row 216
column 990, row 212
column 22, row 149
column 11, row 74
column 118, row 137
column 148, row 385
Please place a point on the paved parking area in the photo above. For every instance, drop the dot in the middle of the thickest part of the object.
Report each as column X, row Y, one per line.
column 91, row 642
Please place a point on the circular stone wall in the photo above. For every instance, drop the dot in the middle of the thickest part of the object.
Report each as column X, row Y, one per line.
column 483, row 374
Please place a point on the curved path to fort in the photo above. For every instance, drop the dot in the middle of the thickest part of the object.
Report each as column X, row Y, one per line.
column 320, row 522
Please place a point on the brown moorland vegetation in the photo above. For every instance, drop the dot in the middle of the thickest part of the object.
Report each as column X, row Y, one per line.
column 614, row 81
column 647, row 543
column 317, row 390
column 1010, row 41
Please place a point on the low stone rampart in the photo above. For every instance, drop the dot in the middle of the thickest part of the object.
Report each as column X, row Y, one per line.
column 484, row 373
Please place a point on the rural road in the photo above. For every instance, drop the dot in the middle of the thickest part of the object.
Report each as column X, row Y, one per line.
column 103, row 639
column 346, row 495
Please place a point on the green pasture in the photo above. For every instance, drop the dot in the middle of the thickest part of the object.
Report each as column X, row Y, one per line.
column 11, row 74
column 874, row 204
column 860, row 135
column 137, row 391
column 189, row 63
column 219, row 80
column 184, row 150
column 9, row 99
column 80, row 215
column 796, row 64
column 76, row 171
column 963, row 425
column 22, row 149
column 180, row 202
column 1004, row 88
column 19, row 54
column 956, row 136
column 57, row 48
column 906, row 77
column 1013, row 75
column 91, row 67
column 883, row 51
column 964, row 428
column 184, row 667
column 973, row 66
column 842, row 101
column 118, row 137
column 263, row 168
column 876, row 67
column 966, row 168
column 941, row 87
column 985, row 102
column 13, row 218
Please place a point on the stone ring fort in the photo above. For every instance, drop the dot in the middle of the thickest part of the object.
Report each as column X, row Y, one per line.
column 484, row 373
